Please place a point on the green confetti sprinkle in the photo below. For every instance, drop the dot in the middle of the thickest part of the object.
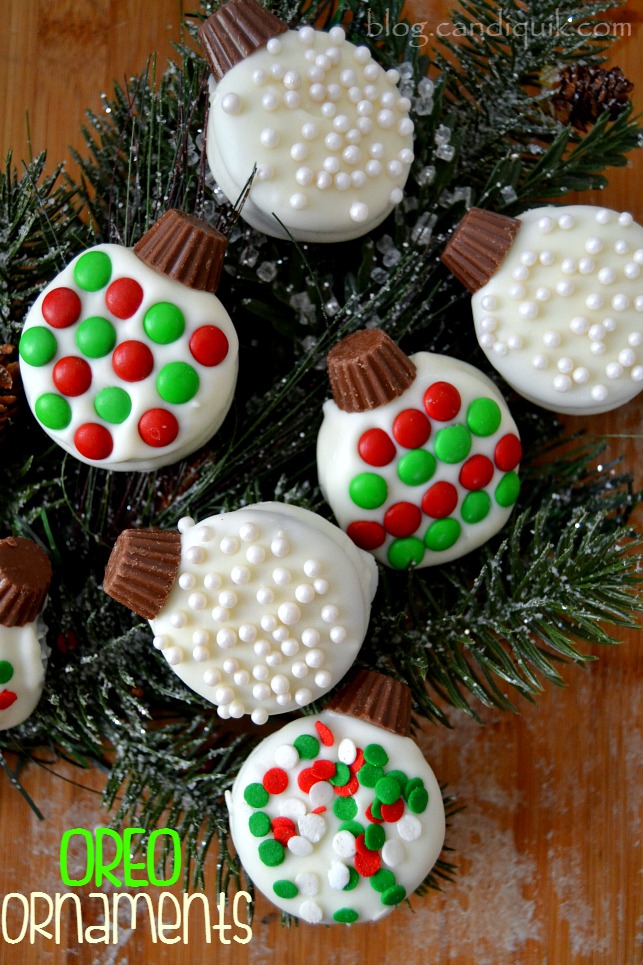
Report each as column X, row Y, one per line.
column 255, row 795
column 382, row 880
column 388, row 789
column 345, row 915
column 285, row 889
column 374, row 837
column 341, row 776
column 353, row 880
column 399, row 776
column 259, row 824
column 411, row 785
column 375, row 754
column 271, row 852
column 394, row 895
column 306, row 746
column 376, row 809
column 369, row 774
column 418, row 800
column 354, row 827
column 344, row 808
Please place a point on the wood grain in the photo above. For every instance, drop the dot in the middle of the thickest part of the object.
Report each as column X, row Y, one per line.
column 549, row 841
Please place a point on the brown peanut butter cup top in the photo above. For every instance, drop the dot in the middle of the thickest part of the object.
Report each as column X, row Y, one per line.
column 142, row 569
column 235, row 31
column 184, row 248
column 376, row 698
column 25, row 575
column 478, row 247
column 367, row 370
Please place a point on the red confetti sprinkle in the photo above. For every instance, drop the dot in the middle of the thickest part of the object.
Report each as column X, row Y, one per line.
column 319, row 810
column 132, row 361
column 283, row 829
column 158, row 428
column 442, row 401
column 61, row 307
column 369, row 814
column 93, row 441
column 72, row 375
column 411, row 428
column 367, row 863
column 367, row 535
column 358, row 762
column 348, row 789
column 306, row 779
column 209, row 345
column 7, row 698
column 477, row 472
column 325, row 734
column 402, row 519
column 123, row 297
column 508, row 452
column 393, row 812
column 376, row 447
column 275, row 780
column 324, row 770
column 440, row 500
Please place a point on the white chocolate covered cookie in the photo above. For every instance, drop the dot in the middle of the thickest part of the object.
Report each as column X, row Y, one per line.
column 267, row 610
column 561, row 318
column 124, row 366
column 324, row 124
column 427, row 473
column 335, row 819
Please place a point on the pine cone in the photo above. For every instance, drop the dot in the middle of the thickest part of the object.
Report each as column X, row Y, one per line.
column 10, row 387
column 584, row 92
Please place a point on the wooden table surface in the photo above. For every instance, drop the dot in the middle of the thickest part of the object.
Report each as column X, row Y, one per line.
column 549, row 843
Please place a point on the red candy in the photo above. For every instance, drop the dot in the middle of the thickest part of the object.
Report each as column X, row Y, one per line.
column 367, row 863
column 123, row 297
column 61, row 307
column 7, row 698
column 93, row 441
column 72, row 375
column 393, row 812
column 283, row 829
column 371, row 817
column 275, row 780
column 132, row 361
column 508, row 452
column 442, row 401
column 411, row 428
column 306, row 779
column 348, row 789
column 325, row 734
column 158, row 428
column 376, row 447
column 366, row 534
column 402, row 519
column 209, row 345
column 358, row 762
column 477, row 472
column 324, row 770
column 440, row 500
column 319, row 810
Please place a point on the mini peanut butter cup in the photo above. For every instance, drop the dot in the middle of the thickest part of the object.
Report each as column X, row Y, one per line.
column 478, row 246
column 367, row 370
column 25, row 575
column 142, row 569
column 376, row 698
column 235, row 31
column 184, row 248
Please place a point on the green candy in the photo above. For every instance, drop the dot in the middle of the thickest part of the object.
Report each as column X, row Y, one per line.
column 285, row 889
column 375, row 754
column 38, row 346
column 376, row 809
column 507, row 490
column 368, row 490
column 374, row 837
column 95, row 337
column 393, row 895
column 418, row 800
column 164, row 323
column 271, row 852
column 399, row 776
column 369, row 774
column 388, row 789
column 452, row 444
column 177, row 382
column 354, row 827
column 475, row 506
column 382, row 880
column 416, row 467
column 53, row 411
column 6, row 671
column 113, row 404
column 345, row 915
column 483, row 417
column 255, row 795
column 259, row 824
column 353, row 880
column 344, row 808
column 341, row 776
column 306, row 746
column 411, row 785
column 404, row 552
column 442, row 534
column 93, row 270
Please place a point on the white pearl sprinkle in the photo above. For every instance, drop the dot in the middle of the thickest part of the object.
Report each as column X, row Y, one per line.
column 197, row 601
column 299, row 151
column 620, row 303
column 265, row 595
column 599, row 393
column 265, row 172
column 625, row 219
column 395, row 169
column 240, row 575
column 565, row 364
column 229, row 546
column 405, row 127
column 223, row 695
column 580, row 375
column 261, row 691
column 323, row 679
column 178, row 619
column 212, row 677
column 517, row 292
column 520, row 273
column 489, row 303
column 358, row 211
column 566, row 222
column 487, row 324
column 255, row 554
column 487, row 340
column 269, row 103
column 528, row 310
column 187, row 581
column 269, row 137
column 333, row 141
column 280, row 634
column 306, row 35
column 597, row 348
column 280, row 546
column 280, row 684
column 259, row 77
column 546, row 257
column 200, row 654
column 269, row 622
column 358, row 178
column 184, row 524
column 568, row 266
column 565, row 288
column 247, row 633
column 514, row 342
column 637, row 373
column 274, row 45
column 200, row 638
column 231, row 104
column 298, row 201
column 260, row 672
column 551, row 339
column 631, row 270
column 606, row 276
column 230, row 665
column 540, row 362
column 220, row 614
column 579, row 325
column 500, row 348
column 626, row 357
column 195, row 555
column 274, row 659
column 603, row 216
column 338, row 634
column 542, row 294
column 396, row 195
column 160, row 642
column 321, row 587
column 299, row 669
column 546, row 225
column 310, row 637
column 594, row 301
column 315, row 658
column 317, row 92
column 593, row 246
column 309, row 131
column 290, row 647
column 373, row 168
column 614, row 370
column 365, row 125
column 304, row 593
column 528, row 258
column 292, row 80
column 635, row 338
column 259, row 716
column 386, row 119
column 289, row 614
column 586, row 265
column 329, row 613
column 226, row 638
column 324, row 180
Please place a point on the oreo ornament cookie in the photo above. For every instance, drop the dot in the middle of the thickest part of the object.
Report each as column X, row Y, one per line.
column 128, row 359
column 337, row 817
column 25, row 575
column 260, row 611
column 557, row 299
column 324, row 124
column 417, row 456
